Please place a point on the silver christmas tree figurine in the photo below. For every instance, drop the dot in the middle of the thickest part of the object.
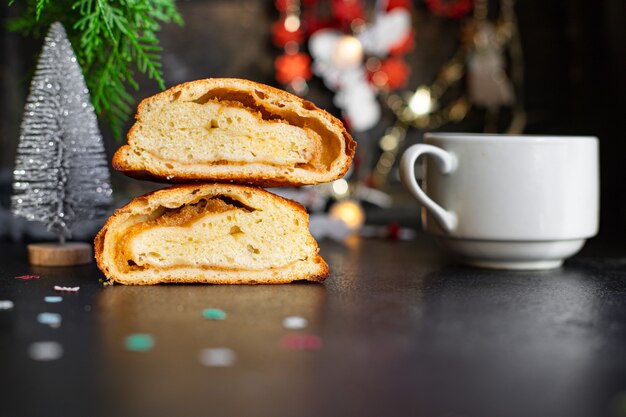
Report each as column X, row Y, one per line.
column 61, row 174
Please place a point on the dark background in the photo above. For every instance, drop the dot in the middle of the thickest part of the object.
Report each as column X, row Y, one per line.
column 575, row 68
column 402, row 329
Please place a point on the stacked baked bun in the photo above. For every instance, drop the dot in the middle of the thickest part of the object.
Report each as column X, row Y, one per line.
column 222, row 139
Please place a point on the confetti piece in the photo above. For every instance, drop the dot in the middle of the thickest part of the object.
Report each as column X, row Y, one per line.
column 218, row 357
column 295, row 323
column 213, row 314
column 27, row 277
column 302, row 342
column 6, row 304
column 66, row 289
column 45, row 351
column 139, row 342
column 53, row 299
column 51, row 319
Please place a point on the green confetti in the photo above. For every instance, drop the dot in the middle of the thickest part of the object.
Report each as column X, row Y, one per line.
column 139, row 342
column 213, row 314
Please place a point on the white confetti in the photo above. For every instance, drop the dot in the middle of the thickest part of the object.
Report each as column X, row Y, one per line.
column 6, row 304
column 53, row 299
column 51, row 319
column 66, row 289
column 45, row 351
column 295, row 323
column 218, row 357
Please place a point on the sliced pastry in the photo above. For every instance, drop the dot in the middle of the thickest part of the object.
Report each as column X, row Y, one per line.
column 225, row 129
column 211, row 233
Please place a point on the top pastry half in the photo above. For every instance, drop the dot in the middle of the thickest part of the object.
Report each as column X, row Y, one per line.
column 225, row 129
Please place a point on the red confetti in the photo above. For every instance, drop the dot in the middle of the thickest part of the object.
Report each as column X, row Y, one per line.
column 27, row 277
column 302, row 342
column 292, row 66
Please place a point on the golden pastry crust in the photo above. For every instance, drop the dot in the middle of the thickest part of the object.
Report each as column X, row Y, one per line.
column 179, row 206
column 324, row 153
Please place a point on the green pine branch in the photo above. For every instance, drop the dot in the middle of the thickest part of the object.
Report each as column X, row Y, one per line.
column 112, row 40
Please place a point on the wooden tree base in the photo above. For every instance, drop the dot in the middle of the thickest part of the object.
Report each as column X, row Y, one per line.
column 57, row 254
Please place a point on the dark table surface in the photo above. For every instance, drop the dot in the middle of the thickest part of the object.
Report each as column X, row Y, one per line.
column 403, row 333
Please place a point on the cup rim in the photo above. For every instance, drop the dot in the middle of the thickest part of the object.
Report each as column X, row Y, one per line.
column 462, row 136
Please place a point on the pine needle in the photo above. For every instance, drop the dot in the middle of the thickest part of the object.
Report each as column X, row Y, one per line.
column 112, row 40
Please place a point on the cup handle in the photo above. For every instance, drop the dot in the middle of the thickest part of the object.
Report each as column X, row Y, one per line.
column 447, row 163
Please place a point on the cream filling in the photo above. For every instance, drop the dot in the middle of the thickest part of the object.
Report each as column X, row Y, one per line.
column 189, row 132
column 234, row 239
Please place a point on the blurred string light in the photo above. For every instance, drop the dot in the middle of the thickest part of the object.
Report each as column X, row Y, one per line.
column 340, row 187
column 346, row 209
column 292, row 23
column 348, row 52
column 420, row 103
column 350, row 212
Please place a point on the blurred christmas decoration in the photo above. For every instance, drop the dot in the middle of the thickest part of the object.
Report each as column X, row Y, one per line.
column 356, row 59
column 350, row 212
column 360, row 56
column 360, row 59
column 112, row 40
column 61, row 175
column 293, row 66
column 486, row 72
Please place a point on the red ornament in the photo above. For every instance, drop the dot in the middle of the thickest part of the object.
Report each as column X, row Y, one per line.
column 345, row 11
column 292, row 66
column 453, row 9
column 302, row 342
column 312, row 23
column 404, row 46
column 394, row 4
column 282, row 5
column 281, row 36
column 392, row 74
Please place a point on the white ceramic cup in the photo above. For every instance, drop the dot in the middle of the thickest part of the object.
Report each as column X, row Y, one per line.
column 507, row 202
